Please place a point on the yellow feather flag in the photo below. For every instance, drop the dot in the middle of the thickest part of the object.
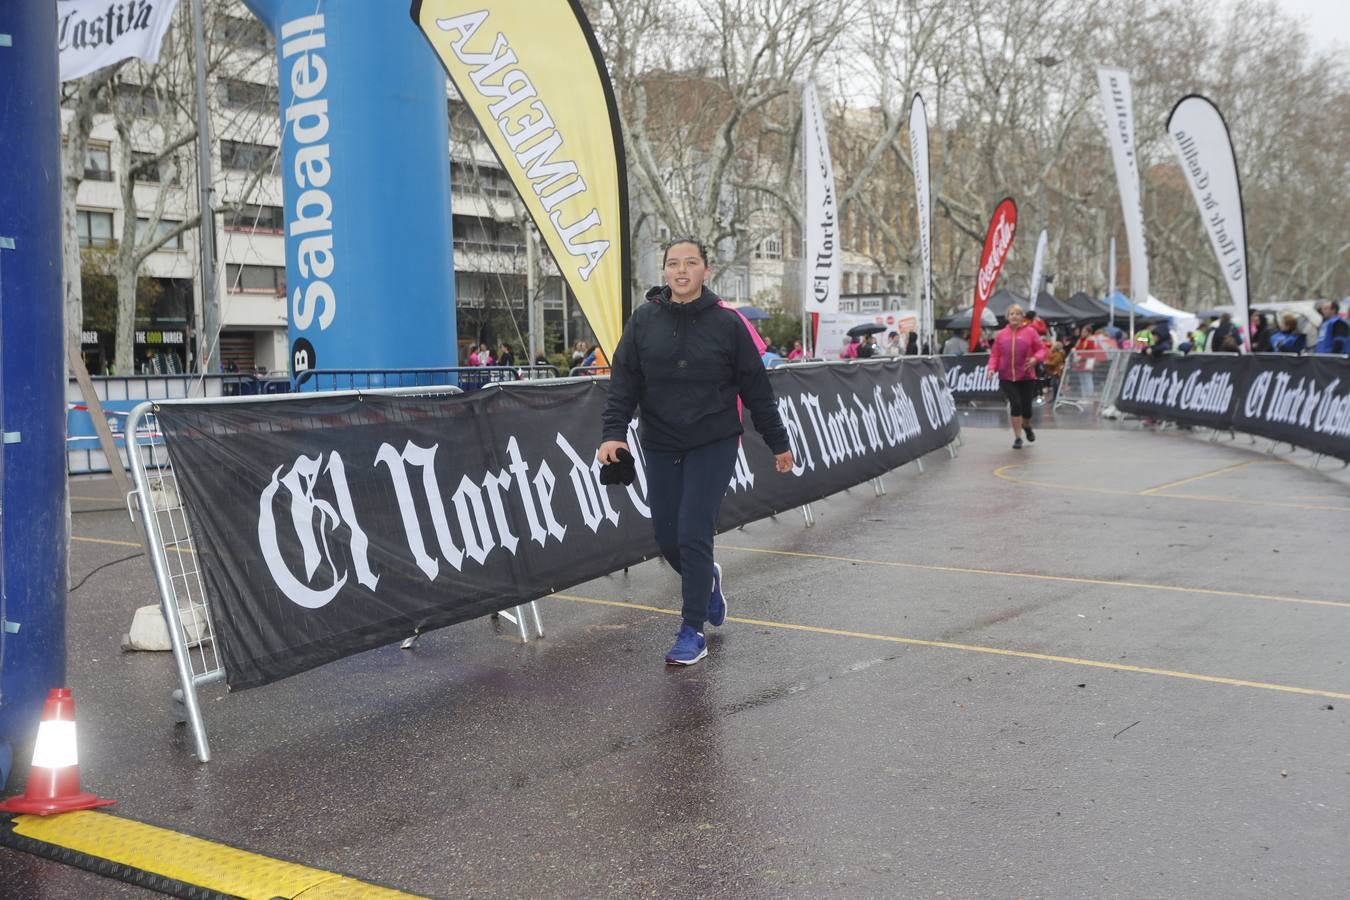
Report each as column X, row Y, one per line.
column 531, row 72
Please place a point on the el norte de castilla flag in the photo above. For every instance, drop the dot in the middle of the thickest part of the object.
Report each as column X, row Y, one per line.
column 1204, row 148
column 1118, row 109
column 822, row 263
column 92, row 34
column 918, row 154
column 531, row 73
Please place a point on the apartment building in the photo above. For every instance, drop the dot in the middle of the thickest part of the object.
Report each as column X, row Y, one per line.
column 153, row 108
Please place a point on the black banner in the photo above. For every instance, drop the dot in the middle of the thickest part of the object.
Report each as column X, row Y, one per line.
column 330, row 525
column 1300, row 400
column 969, row 378
column 1196, row 390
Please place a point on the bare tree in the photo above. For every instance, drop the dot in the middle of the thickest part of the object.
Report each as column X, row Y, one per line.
column 153, row 113
column 82, row 97
column 708, row 97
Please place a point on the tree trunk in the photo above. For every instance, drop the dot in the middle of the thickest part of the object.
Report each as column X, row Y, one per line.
column 72, row 173
column 72, row 165
column 125, row 353
column 127, row 261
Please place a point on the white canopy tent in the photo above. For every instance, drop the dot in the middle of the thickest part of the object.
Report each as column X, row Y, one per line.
column 1183, row 323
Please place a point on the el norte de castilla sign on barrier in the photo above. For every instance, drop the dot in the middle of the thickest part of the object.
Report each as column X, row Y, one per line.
column 1300, row 400
column 330, row 525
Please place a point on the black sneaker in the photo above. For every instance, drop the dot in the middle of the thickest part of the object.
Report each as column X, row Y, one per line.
column 1031, row 435
column 1017, row 443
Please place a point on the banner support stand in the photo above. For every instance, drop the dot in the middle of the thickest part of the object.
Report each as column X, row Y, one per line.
column 158, row 495
column 159, row 564
column 169, row 487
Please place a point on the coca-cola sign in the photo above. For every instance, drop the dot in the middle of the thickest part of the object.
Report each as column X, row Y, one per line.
column 997, row 242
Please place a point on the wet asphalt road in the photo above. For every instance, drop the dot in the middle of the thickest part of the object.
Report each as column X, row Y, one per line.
column 886, row 724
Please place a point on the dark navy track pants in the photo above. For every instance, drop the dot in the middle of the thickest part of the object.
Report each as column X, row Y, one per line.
column 685, row 492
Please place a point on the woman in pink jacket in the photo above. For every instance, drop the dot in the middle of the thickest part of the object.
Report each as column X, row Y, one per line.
column 1016, row 351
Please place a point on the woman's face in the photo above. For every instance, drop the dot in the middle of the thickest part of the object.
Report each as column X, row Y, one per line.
column 685, row 271
column 1016, row 317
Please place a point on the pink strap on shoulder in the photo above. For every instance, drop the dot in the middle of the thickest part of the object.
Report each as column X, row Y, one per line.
column 754, row 335
column 759, row 348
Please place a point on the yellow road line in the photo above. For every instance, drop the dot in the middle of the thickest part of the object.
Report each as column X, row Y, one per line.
column 94, row 540
column 1001, row 473
column 1180, row 482
column 191, row 860
column 1001, row 470
column 97, row 499
column 976, row 648
column 1210, row 498
column 962, row 570
column 181, row 551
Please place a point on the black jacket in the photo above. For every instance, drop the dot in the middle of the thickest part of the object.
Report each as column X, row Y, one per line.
column 684, row 365
column 1162, row 340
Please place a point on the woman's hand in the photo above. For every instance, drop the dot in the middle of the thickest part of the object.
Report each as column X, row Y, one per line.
column 609, row 451
column 783, row 461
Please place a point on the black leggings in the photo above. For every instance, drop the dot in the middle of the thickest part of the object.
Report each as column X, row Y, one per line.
column 1020, row 395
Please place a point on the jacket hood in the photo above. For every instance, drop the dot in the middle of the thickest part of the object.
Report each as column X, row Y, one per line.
column 661, row 294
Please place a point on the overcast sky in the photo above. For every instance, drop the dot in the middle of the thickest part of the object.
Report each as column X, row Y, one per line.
column 1328, row 20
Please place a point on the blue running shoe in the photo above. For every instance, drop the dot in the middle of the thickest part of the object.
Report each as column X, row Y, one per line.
column 717, row 602
column 690, row 647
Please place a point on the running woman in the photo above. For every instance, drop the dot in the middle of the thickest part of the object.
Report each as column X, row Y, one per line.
column 1016, row 351
column 683, row 361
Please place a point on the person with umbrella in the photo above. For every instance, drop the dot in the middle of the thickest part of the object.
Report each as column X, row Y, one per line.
column 858, row 346
column 865, row 329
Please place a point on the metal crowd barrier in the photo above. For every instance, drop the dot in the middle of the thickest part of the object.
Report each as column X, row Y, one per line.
column 808, row 514
column 1097, row 383
column 119, row 394
column 878, row 483
column 466, row 378
column 1275, row 444
column 173, row 559
column 601, row 371
column 173, row 554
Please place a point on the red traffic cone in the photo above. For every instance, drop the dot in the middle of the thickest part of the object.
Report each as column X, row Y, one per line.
column 54, row 779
